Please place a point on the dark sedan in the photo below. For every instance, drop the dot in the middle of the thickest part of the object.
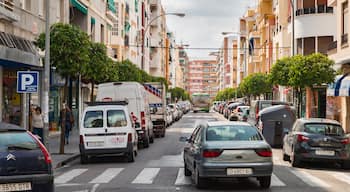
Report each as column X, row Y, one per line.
column 317, row 140
column 25, row 164
column 227, row 150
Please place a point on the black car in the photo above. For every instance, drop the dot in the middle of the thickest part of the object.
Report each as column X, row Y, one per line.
column 317, row 140
column 25, row 163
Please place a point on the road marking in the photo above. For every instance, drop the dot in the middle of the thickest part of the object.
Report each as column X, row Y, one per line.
column 146, row 176
column 107, row 175
column 275, row 181
column 342, row 177
column 68, row 176
column 94, row 188
column 309, row 179
column 181, row 179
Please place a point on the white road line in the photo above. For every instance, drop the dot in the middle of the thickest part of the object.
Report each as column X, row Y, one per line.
column 107, row 175
column 68, row 176
column 275, row 181
column 181, row 179
column 146, row 176
column 309, row 179
column 342, row 177
column 94, row 188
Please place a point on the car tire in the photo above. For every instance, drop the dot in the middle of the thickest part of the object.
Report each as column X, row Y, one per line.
column 286, row 157
column 294, row 160
column 84, row 159
column 198, row 180
column 131, row 156
column 146, row 142
column 151, row 140
column 187, row 171
column 265, row 182
column 163, row 134
column 345, row 165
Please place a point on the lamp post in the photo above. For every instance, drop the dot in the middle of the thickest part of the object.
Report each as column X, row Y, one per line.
column 145, row 32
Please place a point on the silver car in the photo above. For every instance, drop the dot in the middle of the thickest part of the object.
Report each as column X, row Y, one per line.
column 225, row 149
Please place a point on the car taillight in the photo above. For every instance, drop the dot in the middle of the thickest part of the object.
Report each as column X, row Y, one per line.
column 81, row 139
column 143, row 120
column 264, row 152
column 45, row 152
column 345, row 141
column 256, row 113
column 302, row 138
column 129, row 137
column 212, row 153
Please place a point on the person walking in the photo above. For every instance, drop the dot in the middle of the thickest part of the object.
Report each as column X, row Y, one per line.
column 66, row 121
column 38, row 123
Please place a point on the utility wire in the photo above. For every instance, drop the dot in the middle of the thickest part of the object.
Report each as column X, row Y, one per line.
column 207, row 48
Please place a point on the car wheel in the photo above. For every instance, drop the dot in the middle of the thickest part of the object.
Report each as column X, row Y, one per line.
column 294, row 160
column 146, row 142
column 151, row 140
column 198, row 180
column 345, row 165
column 265, row 182
column 187, row 171
column 84, row 159
column 285, row 157
column 131, row 156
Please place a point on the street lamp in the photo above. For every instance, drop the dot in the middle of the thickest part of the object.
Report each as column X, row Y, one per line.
column 146, row 29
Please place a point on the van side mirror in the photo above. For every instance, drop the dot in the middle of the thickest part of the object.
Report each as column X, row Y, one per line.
column 184, row 139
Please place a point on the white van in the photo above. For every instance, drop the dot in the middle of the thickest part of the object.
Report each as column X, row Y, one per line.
column 138, row 105
column 106, row 128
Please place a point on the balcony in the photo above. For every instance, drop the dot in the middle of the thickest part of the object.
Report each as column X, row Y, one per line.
column 332, row 3
column 6, row 11
column 332, row 48
column 112, row 16
column 344, row 39
column 314, row 10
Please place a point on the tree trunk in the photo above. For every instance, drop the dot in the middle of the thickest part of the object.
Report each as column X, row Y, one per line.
column 313, row 109
column 63, row 125
column 92, row 91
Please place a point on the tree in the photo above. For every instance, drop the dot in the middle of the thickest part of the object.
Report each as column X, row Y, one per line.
column 256, row 84
column 127, row 71
column 69, row 53
column 280, row 72
column 178, row 93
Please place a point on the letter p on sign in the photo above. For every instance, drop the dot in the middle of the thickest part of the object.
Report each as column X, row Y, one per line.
column 27, row 81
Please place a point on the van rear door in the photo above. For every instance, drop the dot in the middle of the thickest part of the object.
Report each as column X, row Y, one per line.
column 118, row 129
column 93, row 129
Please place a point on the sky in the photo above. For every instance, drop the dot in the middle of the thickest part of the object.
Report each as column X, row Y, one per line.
column 204, row 22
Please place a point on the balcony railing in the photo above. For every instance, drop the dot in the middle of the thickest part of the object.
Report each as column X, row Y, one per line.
column 344, row 39
column 314, row 10
column 7, row 4
column 332, row 45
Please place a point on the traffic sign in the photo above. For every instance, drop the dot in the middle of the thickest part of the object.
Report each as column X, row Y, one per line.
column 27, row 81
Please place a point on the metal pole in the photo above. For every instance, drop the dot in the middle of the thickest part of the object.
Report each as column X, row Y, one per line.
column 46, row 83
column 293, row 27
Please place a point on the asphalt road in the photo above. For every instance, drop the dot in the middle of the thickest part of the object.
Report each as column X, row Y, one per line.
column 160, row 168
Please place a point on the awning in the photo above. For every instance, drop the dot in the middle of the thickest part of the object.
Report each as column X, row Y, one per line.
column 93, row 20
column 82, row 8
column 340, row 87
column 111, row 6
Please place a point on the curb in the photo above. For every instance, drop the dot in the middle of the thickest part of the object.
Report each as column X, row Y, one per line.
column 68, row 160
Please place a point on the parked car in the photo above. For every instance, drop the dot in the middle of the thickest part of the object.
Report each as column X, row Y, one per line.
column 106, row 128
column 175, row 112
column 169, row 117
column 26, row 164
column 257, row 106
column 237, row 113
column 274, row 121
column 230, row 108
column 138, row 105
column 224, row 149
column 317, row 140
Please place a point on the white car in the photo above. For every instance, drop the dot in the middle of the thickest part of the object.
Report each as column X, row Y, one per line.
column 174, row 111
column 169, row 117
column 241, row 111
column 107, row 129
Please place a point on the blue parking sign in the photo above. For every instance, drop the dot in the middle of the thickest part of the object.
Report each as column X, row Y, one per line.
column 27, row 81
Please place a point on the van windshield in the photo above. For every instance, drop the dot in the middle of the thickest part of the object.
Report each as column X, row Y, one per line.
column 93, row 119
column 116, row 118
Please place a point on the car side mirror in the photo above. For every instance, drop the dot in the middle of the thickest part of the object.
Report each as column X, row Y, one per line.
column 184, row 139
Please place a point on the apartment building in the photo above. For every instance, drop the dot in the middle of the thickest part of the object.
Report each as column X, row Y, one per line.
column 338, row 97
column 202, row 77
column 184, row 65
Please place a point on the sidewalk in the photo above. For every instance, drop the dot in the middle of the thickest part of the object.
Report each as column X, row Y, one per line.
column 71, row 151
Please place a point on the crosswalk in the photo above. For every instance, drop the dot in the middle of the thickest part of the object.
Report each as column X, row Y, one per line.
column 148, row 176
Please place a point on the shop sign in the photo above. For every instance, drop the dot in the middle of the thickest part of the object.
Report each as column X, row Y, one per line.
column 27, row 81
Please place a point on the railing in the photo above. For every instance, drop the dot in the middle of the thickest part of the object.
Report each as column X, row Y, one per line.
column 314, row 10
column 344, row 39
column 7, row 4
column 332, row 45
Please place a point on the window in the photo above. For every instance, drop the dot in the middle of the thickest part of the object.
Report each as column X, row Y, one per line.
column 345, row 18
column 93, row 119
column 116, row 118
column 18, row 140
column 232, row 133
column 102, row 33
column 115, row 29
column 323, row 129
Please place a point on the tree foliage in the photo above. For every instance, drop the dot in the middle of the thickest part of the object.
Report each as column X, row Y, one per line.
column 179, row 93
column 256, row 84
column 228, row 94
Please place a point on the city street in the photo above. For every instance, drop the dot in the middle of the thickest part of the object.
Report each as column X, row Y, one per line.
column 160, row 168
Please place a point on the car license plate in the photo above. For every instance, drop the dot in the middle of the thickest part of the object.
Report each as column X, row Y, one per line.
column 95, row 143
column 325, row 152
column 15, row 187
column 239, row 171
column 118, row 140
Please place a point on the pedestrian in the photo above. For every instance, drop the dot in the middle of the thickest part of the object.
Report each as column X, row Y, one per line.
column 38, row 123
column 66, row 121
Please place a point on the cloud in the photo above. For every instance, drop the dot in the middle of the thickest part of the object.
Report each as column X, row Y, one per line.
column 204, row 21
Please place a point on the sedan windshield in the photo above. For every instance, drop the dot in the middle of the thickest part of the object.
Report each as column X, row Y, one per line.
column 324, row 129
column 232, row 133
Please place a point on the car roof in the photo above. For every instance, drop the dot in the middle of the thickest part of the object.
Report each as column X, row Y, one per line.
column 99, row 107
column 10, row 127
column 219, row 123
column 318, row 120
